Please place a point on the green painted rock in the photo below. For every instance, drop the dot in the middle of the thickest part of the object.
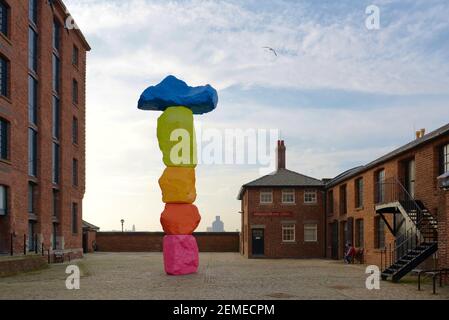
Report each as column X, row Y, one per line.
column 176, row 135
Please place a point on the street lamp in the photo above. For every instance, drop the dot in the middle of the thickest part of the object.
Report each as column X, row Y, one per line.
column 122, row 221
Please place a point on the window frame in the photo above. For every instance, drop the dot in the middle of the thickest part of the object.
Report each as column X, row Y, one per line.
column 343, row 191
column 75, row 172
column 75, row 130
column 32, row 152
column 359, row 193
column 379, row 233
column 75, row 56
column 32, row 11
column 308, row 227
column 4, row 200
column 286, row 228
column 4, row 76
column 32, row 49
column 288, row 192
column 32, row 100
column 75, row 92
column 75, row 214
column 31, row 198
column 56, row 163
column 4, row 139
column 264, row 193
column 359, row 233
column 5, row 15
column 445, row 158
column 309, row 192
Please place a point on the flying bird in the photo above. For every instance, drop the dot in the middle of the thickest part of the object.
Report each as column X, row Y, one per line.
column 272, row 50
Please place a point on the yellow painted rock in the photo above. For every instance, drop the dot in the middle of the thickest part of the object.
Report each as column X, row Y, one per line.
column 178, row 185
column 176, row 135
column 180, row 219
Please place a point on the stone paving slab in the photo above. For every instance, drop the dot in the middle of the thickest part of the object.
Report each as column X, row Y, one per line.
column 221, row 276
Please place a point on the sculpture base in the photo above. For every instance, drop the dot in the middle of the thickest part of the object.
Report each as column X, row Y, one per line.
column 180, row 255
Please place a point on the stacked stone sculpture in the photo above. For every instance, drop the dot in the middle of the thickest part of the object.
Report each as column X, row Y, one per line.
column 177, row 141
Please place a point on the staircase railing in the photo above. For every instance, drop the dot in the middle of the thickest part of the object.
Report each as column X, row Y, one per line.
column 392, row 190
column 396, row 250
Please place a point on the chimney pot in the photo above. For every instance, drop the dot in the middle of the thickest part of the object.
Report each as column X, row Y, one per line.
column 423, row 132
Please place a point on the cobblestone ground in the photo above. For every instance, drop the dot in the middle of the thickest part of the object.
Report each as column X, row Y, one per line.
column 221, row 276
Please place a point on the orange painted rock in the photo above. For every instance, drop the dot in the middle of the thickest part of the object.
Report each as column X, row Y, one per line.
column 180, row 219
column 178, row 185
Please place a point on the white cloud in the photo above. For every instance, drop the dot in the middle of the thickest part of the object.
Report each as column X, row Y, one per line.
column 136, row 43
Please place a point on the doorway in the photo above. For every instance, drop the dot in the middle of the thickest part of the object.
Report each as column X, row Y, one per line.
column 258, row 242
column 334, row 237
column 410, row 175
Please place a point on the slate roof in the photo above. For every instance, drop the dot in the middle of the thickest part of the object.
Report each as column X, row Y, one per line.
column 415, row 143
column 87, row 225
column 282, row 178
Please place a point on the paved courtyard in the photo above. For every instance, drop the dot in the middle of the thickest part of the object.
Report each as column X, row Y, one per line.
column 221, row 276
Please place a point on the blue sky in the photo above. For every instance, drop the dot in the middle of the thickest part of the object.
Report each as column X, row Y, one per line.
column 341, row 94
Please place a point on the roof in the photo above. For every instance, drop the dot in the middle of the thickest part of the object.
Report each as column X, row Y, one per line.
column 409, row 146
column 87, row 225
column 282, row 178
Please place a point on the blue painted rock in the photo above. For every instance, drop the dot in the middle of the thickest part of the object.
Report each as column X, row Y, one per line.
column 176, row 135
column 172, row 92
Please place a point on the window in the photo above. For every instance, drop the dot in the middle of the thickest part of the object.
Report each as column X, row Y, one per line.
column 343, row 200
column 31, row 198
column 75, row 130
column 311, row 232
column 32, row 100
column 56, row 35
column 55, row 236
column 288, row 233
column 31, row 236
column 33, row 10
column 75, row 91
column 4, row 139
column 310, row 196
column 32, row 49
column 32, row 152
column 55, row 203
column 56, row 74
column 74, row 218
column 330, row 202
column 3, row 200
column 4, row 75
column 359, row 234
column 444, row 159
column 380, row 186
column 266, row 197
column 359, row 193
column 56, row 118
column 380, row 233
column 55, row 164
column 4, row 17
column 288, row 196
column 75, row 56
column 75, row 172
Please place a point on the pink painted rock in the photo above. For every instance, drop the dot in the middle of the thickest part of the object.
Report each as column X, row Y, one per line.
column 180, row 255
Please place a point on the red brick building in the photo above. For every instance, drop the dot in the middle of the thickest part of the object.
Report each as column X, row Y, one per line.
column 393, row 203
column 42, row 125
column 393, row 209
column 282, row 214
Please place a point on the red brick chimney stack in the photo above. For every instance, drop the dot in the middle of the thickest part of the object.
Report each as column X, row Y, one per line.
column 281, row 155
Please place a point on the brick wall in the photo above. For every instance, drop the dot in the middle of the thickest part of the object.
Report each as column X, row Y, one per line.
column 14, row 109
column 152, row 241
column 15, row 265
column 299, row 214
column 426, row 190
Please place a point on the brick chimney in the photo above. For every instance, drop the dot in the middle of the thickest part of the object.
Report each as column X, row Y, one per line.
column 280, row 155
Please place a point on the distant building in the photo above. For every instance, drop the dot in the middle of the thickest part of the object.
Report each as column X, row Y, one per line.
column 217, row 225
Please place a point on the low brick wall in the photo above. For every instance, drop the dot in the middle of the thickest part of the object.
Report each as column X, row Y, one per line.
column 14, row 265
column 152, row 241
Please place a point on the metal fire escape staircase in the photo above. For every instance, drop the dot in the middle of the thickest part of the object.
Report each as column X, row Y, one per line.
column 414, row 227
